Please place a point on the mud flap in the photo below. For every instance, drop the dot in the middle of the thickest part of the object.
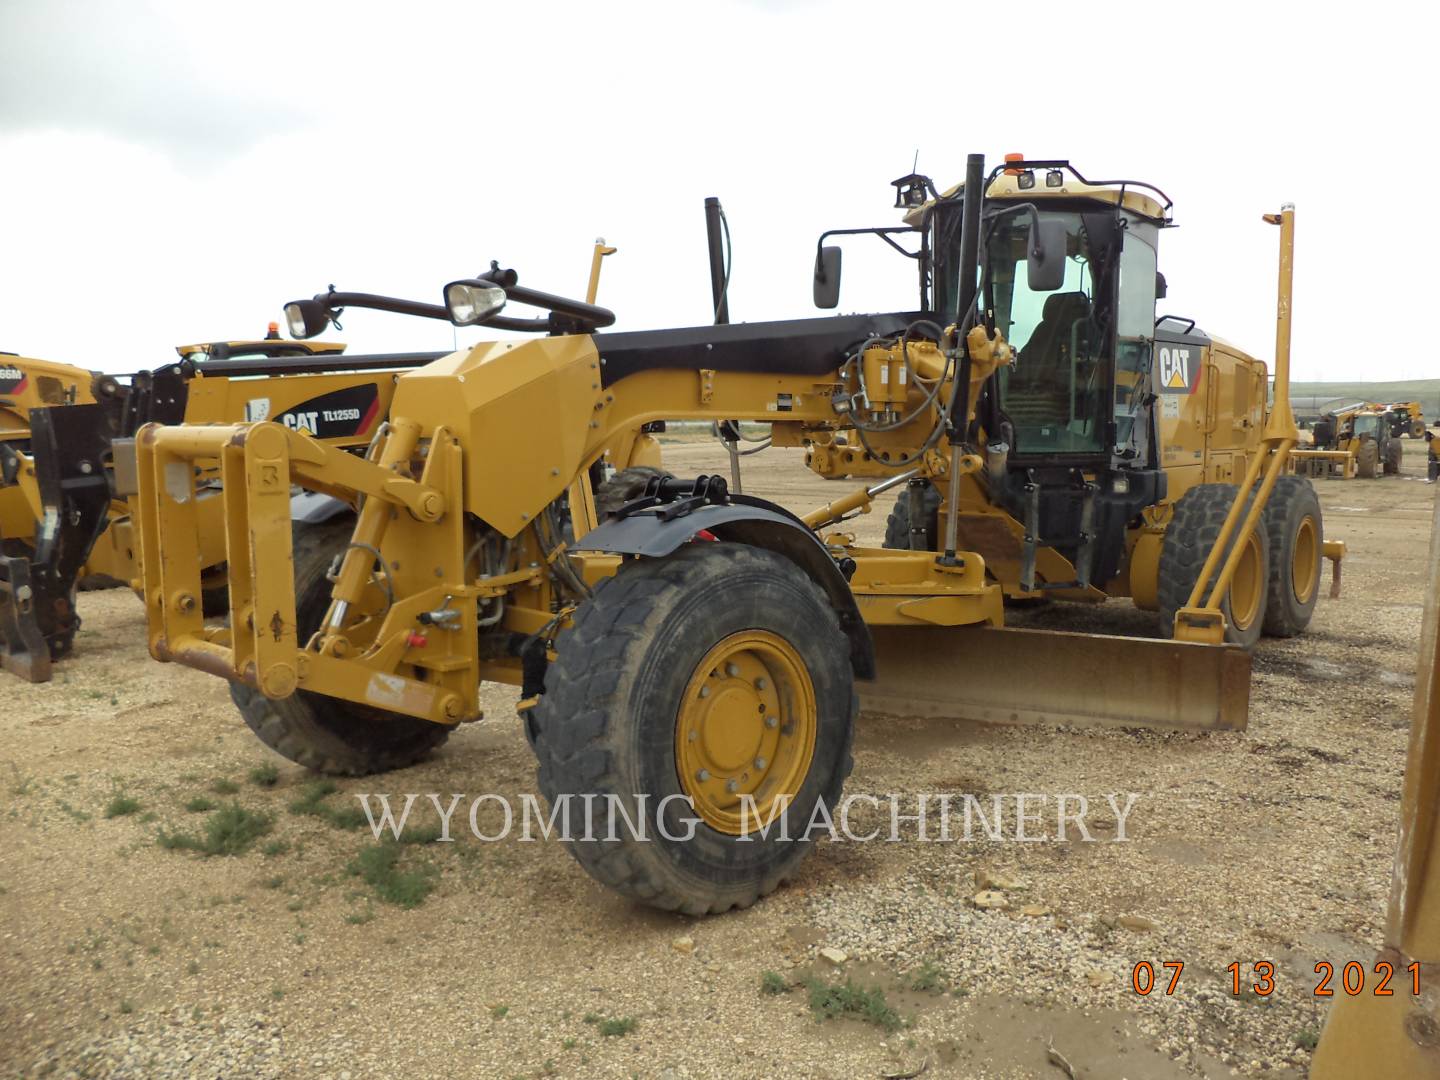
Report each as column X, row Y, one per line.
column 37, row 594
column 1052, row 677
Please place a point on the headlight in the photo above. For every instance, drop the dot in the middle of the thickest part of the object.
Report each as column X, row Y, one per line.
column 306, row 318
column 471, row 302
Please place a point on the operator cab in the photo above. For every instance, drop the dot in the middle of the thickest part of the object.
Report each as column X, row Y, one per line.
column 1069, row 430
column 1073, row 418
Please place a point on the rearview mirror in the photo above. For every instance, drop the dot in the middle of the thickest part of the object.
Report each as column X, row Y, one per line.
column 827, row 277
column 1045, row 259
column 1160, row 287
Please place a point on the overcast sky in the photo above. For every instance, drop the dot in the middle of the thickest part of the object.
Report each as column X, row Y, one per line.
column 175, row 171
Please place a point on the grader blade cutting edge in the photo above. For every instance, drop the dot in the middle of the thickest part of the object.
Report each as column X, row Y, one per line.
column 1050, row 677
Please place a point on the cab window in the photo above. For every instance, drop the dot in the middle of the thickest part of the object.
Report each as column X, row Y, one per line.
column 1056, row 393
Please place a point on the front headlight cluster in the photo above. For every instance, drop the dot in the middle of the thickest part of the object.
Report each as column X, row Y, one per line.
column 306, row 318
column 470, row 302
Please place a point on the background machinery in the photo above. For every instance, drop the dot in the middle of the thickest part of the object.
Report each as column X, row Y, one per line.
column 1370, row 433
column 1406, row 418
column 694, row 660
column 63, row 520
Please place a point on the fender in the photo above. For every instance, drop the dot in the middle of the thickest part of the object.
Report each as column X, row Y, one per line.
column 742, row 519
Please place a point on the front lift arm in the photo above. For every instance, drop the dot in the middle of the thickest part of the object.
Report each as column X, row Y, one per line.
column 378, row 660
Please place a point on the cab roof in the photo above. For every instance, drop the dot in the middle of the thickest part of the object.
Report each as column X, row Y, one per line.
column 1007, row 186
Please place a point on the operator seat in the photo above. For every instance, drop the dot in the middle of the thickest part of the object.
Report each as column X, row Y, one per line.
column 1038, row 391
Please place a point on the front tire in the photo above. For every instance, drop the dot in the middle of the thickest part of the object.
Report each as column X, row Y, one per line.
column 1295, row 531
column 689, row 682
column 1193, row 529
column 1394, row 454
column 1367, row 460
column 322, row 733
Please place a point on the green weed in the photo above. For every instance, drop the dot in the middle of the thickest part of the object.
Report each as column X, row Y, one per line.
column 378, row 867
column 121, row 806
column 830, row 1001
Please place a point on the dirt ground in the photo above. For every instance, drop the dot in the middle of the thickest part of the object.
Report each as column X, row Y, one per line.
column 122, row 956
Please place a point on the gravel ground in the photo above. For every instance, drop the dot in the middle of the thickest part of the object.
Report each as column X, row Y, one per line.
column 121, row 957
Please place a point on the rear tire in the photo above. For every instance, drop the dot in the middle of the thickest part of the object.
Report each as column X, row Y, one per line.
column 1192, row 532
column 1295, row 531
column 627, row 683
column 1367, row 458
column 1394, row 454
column 326, row 734
column 623, row 487
column 898, row 524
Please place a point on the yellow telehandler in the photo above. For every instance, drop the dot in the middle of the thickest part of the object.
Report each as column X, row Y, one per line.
column 697, row 658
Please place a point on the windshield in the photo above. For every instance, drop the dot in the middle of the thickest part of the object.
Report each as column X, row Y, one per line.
column 1056, row 395
column 1367, row 425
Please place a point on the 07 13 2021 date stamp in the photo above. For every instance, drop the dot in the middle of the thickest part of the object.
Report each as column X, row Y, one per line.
column 1260, row 978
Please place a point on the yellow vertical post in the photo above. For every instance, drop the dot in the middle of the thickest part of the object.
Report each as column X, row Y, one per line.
column 1280, row 424
column 599, row 253
column 1203, row 621
column 1398, row 1037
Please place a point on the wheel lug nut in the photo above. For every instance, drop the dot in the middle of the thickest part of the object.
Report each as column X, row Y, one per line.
column 694, row 735
column 761, row 684
column 770, row 721
column 759, row 763
column 732, row 670
column 704, row 691
column 703, row 775
column 732, row 786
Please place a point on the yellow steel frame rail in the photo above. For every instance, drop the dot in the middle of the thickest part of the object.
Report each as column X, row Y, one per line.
column 1201, row 618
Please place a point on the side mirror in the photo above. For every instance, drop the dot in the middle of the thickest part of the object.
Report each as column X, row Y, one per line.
column 1160, row 287
column 1045, row 259
column 827, row 277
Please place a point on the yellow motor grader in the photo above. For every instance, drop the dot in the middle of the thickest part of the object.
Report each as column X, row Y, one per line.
column 61, row 521
column 698, row 657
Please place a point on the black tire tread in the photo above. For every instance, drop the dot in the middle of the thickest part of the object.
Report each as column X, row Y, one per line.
column 586, row 685
column 290, row 726
column 1281, row 618
column 1394, row 456
column 1191, row 534
column 897, row 525
column 1367, row 460
column 622, row 487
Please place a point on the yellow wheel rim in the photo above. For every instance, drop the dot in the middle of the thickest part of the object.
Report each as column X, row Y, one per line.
column 1247, row 587
column 1307, row 554
column 745, row 727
